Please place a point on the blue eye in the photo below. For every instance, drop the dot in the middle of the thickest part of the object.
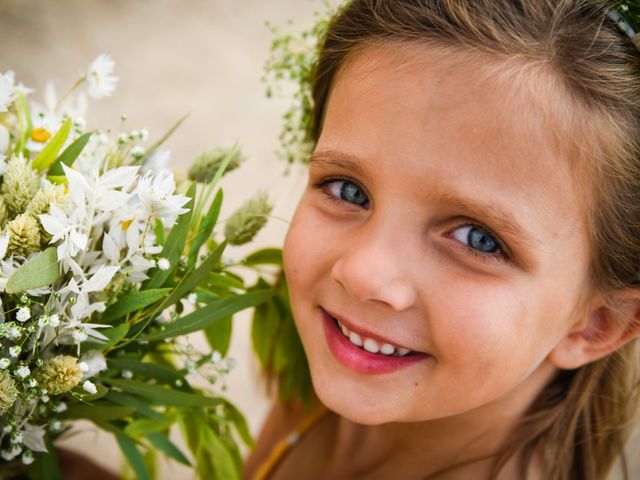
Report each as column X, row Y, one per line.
column 347, row 191
column 477, row 238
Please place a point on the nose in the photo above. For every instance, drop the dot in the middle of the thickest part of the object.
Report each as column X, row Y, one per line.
column 374, row 269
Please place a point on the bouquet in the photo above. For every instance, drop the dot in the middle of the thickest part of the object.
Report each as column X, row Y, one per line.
column 105, row 267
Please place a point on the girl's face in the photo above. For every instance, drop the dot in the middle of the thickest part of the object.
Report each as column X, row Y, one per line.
column 439, row 219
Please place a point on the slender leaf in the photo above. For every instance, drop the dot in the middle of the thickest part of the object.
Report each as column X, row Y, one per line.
column 223, row 461
column 24, row 122
column 160, row 231
column 40, row 271
column 151, row 150
column 57, row 179
column 46, row 465
column 239, row 422
column 194, row 277
column 223, row 280
column 204, row 232
column 147, row 370
column 160, row 395
column 133, row 302
column 145, row 426
column 162, row 443
column 114, row 334
column 207, row 316
column 266, row 256
column 97, row 412
column 219, row 335
column 264, row 332
column 174, row 245
column 101, row 391
column 69, row 155
column 52, row 148
column 133, row 456
column 130, row 401
column 188, row 423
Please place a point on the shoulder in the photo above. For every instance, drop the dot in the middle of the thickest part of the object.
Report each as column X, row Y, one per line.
column 283, row 418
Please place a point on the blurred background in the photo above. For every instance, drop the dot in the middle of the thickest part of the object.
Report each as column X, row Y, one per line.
column 201, row 57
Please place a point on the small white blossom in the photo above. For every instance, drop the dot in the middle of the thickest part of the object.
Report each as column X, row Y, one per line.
column 163, row 264
column 16, row 437
column 45, row 399
column 14, row 333
column 79, row 335
column 7, row 91
column 54, row 320
column 24, row 314
column 15, row 350
column 216, row 357
column 100, row 78
column 137, row 152
column 157, row 198
column 83, row 367
column 32, row 383
column 4, row 363
column 144, row 134
column 27, row 458
column 23, row 371
column 60, row 407
column 95, row 361
column 55, row 425
column 9, row 455
column 89, row 387
column 128, row 374
column 192, row 298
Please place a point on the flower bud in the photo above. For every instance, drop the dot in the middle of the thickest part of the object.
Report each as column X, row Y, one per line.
column 246, row 222
column 60, row 374
column 20, row 184
column 8, row 392
column 24, row 235
column 206, row 164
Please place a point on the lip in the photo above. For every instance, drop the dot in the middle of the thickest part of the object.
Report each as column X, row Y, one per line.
column 360, row 360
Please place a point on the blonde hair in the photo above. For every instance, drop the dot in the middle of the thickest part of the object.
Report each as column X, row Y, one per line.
column 580, row 422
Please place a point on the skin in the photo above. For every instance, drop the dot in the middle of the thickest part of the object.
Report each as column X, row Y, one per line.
column 434, row 148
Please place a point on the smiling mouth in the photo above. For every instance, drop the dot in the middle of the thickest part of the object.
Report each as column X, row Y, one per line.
column 371, row 345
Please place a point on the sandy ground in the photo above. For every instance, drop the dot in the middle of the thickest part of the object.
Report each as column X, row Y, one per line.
column 199, row 57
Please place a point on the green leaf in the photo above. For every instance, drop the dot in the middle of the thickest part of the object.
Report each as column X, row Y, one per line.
column 264, row 332
column 101, row 391
column 114, row 334
column 130, row 401
column 133, row 456
column 162, row 443
column 24, row 122
column 147, row 370
column 145, row 426
column 133, row 302
column 209, row 315
column 188, row 423
column 266, row 256
column 52, row 148
column 239, row 422
column 174, row 245
column 204, row 233
column 40, row 271
column 223, row 461
column 160, row 395
column 97, row 412
column 57, row 179
column 223, row 280
column 219, row 335
column 69, row 155
column 193, row 278
column 159, row 228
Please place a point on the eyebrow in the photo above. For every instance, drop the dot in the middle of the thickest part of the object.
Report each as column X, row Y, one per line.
column 495, row 218
column 327, row 159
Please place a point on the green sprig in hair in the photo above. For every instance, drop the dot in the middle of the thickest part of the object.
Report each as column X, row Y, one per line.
column 627, row 17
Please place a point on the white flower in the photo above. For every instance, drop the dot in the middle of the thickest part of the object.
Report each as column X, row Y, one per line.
column 7, row 91
column 4, row 147
column 128, row 374
column 157, row 198
column 137, row 152
column 15, row 350
column 216, row 357
column 23, row 371
column 4, row 363
column 60, row 407
column 61, row 228
column 163, row 264
column 9, row 455
column 24, row 314
column 100, row 78
column 34, row 437
column 54, row 320
column 79, row 335
column 14, row 333
column 83, row 367
column 192, row 298
column 32, row 383
column 95, row 361
column 27, row 458
column 89, row 387
column 157, row 162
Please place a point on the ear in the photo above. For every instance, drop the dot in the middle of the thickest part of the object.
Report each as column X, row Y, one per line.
column 605, row 328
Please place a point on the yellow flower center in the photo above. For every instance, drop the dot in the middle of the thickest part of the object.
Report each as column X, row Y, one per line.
column 40, row 135
column 126, row 224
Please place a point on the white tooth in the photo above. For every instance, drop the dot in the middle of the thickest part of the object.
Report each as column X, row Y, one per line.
column 345, row 330
column 355, row 339
column 370, row 345
column 387, row 349
column 403, row 351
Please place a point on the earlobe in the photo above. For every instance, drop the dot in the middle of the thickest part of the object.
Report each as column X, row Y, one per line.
column 605, row 330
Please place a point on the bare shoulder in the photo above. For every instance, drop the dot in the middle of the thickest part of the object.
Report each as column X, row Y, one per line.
column 283, row 418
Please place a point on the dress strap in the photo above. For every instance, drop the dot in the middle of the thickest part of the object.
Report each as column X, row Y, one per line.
column 284, row 446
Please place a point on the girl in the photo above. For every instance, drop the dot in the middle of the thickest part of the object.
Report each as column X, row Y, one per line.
column 463, row 265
